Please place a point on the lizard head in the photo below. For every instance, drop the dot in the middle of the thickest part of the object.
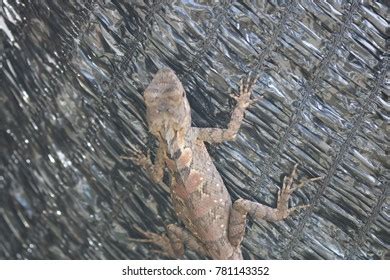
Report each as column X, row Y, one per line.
column 167, row 107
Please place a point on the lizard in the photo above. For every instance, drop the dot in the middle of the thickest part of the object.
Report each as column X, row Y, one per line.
column 214, row 225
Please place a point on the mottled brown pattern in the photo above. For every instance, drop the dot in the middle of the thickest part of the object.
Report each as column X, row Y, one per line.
column 193, row 181
column 185, row 158
column 214, row 227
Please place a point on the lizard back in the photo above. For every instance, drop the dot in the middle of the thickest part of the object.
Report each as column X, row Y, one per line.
column 199, row 195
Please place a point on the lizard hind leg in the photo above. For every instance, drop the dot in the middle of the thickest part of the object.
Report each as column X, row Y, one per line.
column 172, row 244
column 242, row 207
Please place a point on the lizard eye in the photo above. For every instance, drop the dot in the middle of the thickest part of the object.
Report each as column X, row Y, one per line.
column 184, row 93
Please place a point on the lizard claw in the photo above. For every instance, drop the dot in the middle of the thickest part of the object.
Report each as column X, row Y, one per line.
column 246, row 85
column 159, row 240
column 255, row 100
column 234, row 96
column 289, row 186
column 297, row 208
column 303, row 182
column 139, row 158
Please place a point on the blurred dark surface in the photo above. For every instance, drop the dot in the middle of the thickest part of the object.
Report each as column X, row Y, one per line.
column 71, row 82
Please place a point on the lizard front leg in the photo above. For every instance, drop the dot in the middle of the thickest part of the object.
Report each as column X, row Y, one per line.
column 154, row 170
column 242, row 207
column 243, row 101
column 172, row 244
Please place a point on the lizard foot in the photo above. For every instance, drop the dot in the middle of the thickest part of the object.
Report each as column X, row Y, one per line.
column 289, row 186
column 155, row 171
column 159, row 240
column 246, row 85
column 139, row 159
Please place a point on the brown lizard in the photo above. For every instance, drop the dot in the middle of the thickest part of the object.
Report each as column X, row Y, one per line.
column 214, row 226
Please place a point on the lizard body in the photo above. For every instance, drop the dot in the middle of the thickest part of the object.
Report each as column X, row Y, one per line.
column 214, row 226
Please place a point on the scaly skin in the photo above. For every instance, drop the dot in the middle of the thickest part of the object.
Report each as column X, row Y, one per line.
column 214, row 227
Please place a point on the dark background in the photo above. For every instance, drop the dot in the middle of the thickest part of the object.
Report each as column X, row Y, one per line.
column 71, row 83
